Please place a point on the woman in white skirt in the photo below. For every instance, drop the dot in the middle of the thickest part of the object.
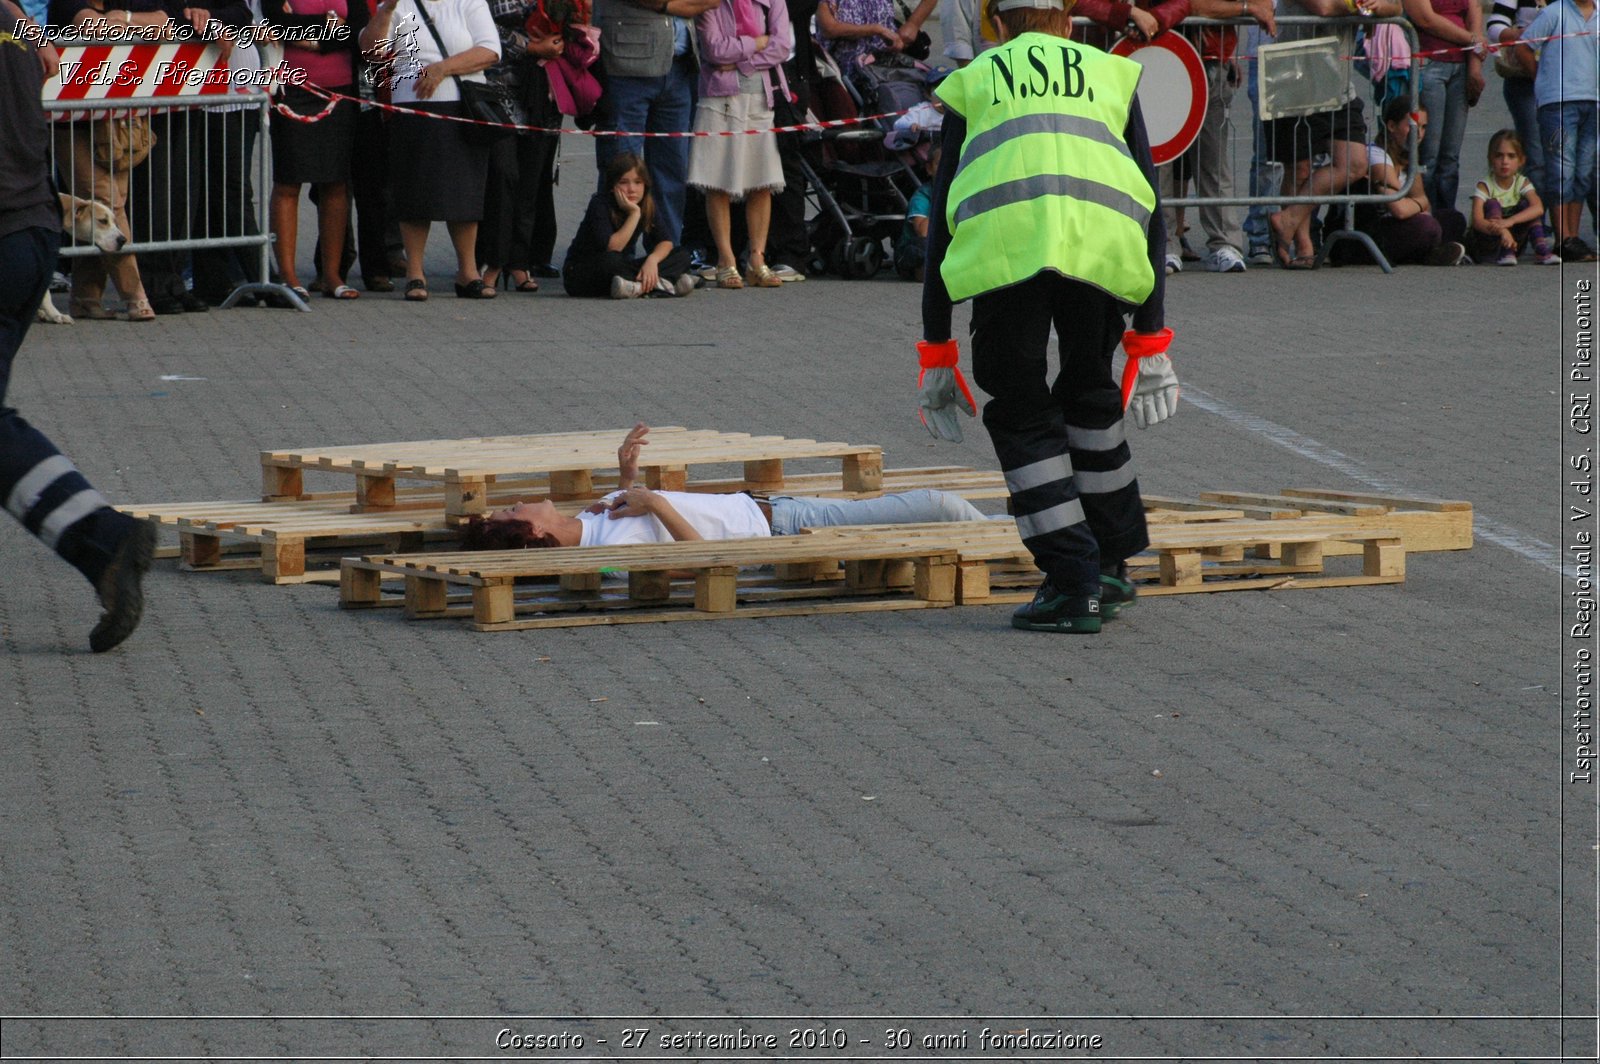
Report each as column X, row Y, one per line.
column 743, row 44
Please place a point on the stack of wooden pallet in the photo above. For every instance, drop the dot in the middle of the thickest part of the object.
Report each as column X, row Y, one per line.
column 1196, row 545
column 407, row 495
column 409, row 498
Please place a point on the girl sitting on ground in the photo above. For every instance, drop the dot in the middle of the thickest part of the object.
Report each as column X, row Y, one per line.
column 1507, row 212
column 1407, row 230
column 603, row 258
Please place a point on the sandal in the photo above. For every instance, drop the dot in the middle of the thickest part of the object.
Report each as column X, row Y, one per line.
column 93, row 310
column 474, row 289
column 140, row 310
column 762, row 277
column 416, row 291
column 1288, row 260
column 527, row 284
column 728, row 277
column 342, row 291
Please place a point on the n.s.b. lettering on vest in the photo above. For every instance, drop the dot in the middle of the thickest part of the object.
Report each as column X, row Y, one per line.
column 1058, row 74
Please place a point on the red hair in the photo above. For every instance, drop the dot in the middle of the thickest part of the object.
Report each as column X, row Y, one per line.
column 503, row 533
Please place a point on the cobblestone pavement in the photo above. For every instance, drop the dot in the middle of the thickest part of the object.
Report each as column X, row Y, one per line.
column 1340, row 803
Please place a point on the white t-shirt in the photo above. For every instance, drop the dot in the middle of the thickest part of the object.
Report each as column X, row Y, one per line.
column 1378, row 156
column 713, row 516
column 462, row 24
column 1488, row 189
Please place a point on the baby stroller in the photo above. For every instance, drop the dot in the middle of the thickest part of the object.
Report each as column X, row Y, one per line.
column 860, row 186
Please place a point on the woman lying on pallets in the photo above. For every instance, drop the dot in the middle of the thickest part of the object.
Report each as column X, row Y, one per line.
column 637, row 514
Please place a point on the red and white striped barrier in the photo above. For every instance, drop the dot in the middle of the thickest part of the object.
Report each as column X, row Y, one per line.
column 130, row 70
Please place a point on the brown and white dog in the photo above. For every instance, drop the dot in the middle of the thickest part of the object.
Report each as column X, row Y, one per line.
column 90, row 222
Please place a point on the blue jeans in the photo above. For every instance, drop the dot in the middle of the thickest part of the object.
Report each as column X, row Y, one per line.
column 1524, row 109
column 790, row 515
column 39, row 484
column 1443, row 92
column 655, row 105
column 1266, row 176
column 1570, row 131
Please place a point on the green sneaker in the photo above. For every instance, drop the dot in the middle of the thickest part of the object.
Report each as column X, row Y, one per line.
column 1051, row 611
column 1117, row 593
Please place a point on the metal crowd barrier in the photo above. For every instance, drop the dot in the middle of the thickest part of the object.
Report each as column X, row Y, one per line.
column 1254, row 180
column 176, row 198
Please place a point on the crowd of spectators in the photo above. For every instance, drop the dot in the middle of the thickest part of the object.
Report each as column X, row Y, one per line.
column 379, row 178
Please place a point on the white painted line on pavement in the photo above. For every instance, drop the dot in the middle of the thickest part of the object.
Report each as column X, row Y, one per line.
column 1537, row 551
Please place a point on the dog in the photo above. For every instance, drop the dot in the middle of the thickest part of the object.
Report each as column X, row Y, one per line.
column 89, row 222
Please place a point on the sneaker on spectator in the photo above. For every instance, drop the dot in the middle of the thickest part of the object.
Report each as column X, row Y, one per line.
column 622, row 288
column 1507, row 258
column 60, row 282
column 1174, row 263
column 1548, row 258
column 685, row 284
column 1449, row 253
column 1225, row 260
column 786, row 273
column 1573, row 249
column 700, row 267
column 1260, row 255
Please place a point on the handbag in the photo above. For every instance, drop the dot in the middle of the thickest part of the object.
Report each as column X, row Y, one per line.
column 1506, row 63
column 479, row 100
column 120, row 144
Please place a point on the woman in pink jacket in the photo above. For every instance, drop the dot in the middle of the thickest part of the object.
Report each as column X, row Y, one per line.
column 743, row 44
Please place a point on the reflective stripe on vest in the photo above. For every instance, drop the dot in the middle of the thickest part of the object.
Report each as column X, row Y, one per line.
column 1045, row 180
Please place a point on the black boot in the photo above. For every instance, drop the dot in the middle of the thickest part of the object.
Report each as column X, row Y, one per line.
column 1052, row 611
column 120, row 590
column 1117, row 592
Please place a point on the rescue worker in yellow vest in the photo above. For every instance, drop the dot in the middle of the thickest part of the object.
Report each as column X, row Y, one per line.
column 1044, row 213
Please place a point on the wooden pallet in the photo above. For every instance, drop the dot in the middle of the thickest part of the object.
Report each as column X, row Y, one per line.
column 492, row 576
column 1425, row 524
column 283, row 538
column 277, row 538
column 1183, row 558
column 468, row 469
column 853, row 568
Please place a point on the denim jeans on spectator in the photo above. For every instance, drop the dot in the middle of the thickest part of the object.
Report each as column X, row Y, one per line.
column 1443, row 90
column 1265, row 176
column 790, row 515
column 655, row 105
column 1570, row 131
column 1524, row 110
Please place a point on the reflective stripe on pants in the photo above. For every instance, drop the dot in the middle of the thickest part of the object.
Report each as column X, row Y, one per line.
column 1061, row 444
column 38, row 484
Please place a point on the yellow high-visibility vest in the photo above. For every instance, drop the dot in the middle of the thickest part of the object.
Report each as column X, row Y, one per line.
column 1045, row 180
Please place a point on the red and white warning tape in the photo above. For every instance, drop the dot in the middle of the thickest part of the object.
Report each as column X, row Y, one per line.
column 334, row 98
column 1428, row 53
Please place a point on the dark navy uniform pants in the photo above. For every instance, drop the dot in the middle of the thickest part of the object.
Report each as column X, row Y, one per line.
column 38, row 484
column 1061, row 445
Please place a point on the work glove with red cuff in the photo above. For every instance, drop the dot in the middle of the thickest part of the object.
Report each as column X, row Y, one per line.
column 942, row 390
column 1149, row 387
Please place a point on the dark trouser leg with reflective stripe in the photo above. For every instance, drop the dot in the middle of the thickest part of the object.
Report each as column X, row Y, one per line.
column 39, row 485
column 1062, row 449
